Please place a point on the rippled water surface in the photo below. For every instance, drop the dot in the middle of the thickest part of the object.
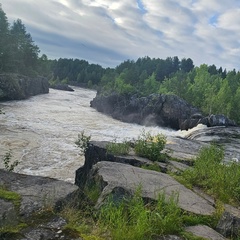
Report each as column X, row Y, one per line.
column 41, row 131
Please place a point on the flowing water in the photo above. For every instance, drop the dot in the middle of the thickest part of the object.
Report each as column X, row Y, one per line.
column 41, row 131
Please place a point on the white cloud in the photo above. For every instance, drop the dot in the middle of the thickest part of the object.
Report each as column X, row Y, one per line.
column 110, row 31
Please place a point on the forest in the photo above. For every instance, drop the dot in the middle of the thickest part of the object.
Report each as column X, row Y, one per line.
column 212, row 89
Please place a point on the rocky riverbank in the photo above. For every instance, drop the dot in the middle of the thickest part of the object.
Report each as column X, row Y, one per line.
column 16, row 86
column 120, row 176
column 30, row 205
column 156, row 110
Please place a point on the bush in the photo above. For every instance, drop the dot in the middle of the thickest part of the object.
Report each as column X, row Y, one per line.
column 83, row 142
column 9, row 166
column 150, row 146
column 209, row 173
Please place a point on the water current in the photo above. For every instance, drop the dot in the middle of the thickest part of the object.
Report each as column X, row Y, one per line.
column 41, row 131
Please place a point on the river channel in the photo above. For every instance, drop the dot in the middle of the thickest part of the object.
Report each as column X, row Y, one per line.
column 40, row 132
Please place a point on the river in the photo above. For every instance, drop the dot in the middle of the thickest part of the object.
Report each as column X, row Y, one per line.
column 41, row 131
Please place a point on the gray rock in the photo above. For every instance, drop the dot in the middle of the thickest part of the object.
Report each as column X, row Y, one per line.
column 228, row 137
column 111, row 176
column 50, row 230
column 37, row 192
column 205, row 232
column 8, row 214
column 220, row 120
column 168, row 237
column 229, row 224
column 63, row 87
column 175, row 166
column 40, row 234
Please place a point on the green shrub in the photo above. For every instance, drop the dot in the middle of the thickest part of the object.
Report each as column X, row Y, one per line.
column 118, row 148
column 83, row 142
column 9, row 166
column 150, row 146
column 219, row 180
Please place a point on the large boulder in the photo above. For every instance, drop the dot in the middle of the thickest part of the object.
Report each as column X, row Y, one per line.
column 122, row 175
column 119, row 179
column 36, row 192
column 156, row 109
column 16, row 87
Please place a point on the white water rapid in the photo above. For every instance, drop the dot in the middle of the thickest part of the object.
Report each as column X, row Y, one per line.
column 41, row 131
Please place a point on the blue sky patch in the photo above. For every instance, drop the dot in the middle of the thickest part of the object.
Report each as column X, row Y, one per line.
column 141, row 6
column 213, row 20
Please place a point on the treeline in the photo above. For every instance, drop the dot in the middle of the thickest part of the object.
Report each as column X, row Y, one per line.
column 76, row 72
column 18, row 52
column 212, row 89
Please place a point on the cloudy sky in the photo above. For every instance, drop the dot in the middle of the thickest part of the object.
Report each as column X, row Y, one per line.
column 108, row 32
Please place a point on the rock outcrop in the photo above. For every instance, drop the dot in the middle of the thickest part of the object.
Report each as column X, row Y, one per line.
column 210, row 121
column 120, row 177
column 117, row 178
column 30, row 208
column 156, row 109
column 113, row 173
column 63, row 87
column 17, row 87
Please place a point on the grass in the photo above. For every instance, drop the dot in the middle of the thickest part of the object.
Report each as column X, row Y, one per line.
column 219, row 180
column 140, row 220
column 153, row 167
column 118, row 148
column 10, row 196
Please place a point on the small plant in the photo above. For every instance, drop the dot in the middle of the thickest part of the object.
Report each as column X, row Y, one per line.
column 7, row 161
column 83, row 142
column 118, row 148
column 150, row 146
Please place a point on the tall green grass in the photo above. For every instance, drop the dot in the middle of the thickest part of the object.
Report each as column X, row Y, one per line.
column 219, row 180
column 116, row 148
column 134, row 219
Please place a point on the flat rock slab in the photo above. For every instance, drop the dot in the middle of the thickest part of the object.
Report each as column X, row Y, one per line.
column 36, row 192
column 205, row 232
column 114, row 176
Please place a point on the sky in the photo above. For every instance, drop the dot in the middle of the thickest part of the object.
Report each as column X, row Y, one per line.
column 107, row 32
